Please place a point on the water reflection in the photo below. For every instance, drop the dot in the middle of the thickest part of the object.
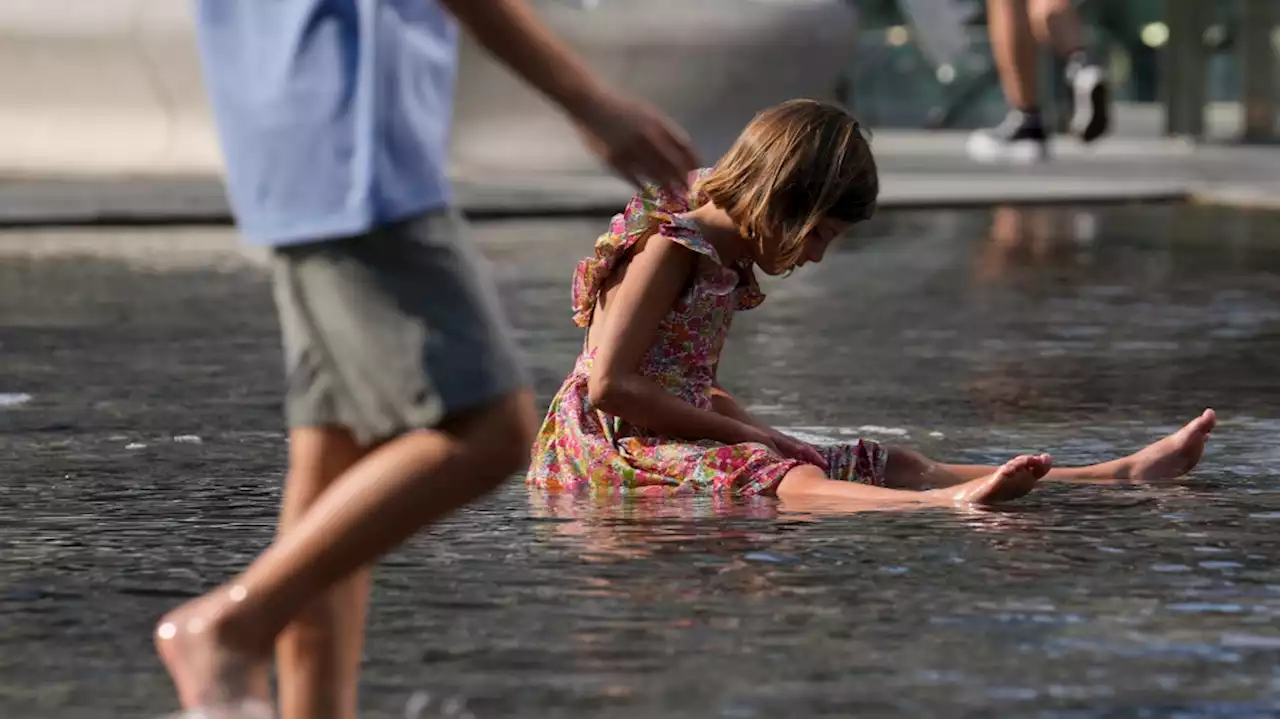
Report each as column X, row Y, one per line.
column 1061, row 237
column 972, row 336
column 602, row 527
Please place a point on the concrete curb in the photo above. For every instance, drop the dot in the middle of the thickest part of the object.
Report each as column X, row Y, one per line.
column 106, row 122
column 1240, row 197
column 102, row 89
column 136, row 206
column 200, row 201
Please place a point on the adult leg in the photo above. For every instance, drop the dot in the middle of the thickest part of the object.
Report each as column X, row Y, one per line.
column 1020, row 138
column 1056, row 24
column 318, row 654
column 1014, row 49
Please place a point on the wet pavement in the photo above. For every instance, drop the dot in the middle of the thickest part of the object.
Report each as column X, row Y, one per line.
column 141, row 441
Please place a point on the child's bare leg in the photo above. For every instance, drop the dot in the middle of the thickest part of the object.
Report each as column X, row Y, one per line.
column 215, row 645
column 1171, row 457
column 318, row 654
column 1012, row 480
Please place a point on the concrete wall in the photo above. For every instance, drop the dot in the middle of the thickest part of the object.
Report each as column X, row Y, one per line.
column 711, row 64
column 113, row 87
column 101, row 87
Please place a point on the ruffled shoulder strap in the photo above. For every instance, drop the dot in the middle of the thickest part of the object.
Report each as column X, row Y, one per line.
column 652, row 211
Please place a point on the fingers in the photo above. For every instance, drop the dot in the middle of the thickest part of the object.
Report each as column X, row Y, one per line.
column 630, row 167
column 803, row 451
column 814, row 457
column 625, row 169
column 645, row 163
column 673, row 156
column 686, row 155
column 660, row 153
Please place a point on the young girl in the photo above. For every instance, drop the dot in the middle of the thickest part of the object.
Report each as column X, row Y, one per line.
column 642, row 411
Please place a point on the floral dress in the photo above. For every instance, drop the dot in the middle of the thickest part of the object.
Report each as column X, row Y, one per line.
column 580, row 447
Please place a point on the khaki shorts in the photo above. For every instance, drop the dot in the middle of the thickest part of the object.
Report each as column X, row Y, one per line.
column 391, row 331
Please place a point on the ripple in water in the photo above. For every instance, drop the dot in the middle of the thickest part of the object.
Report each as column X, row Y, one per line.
column 1084, row 600
column 13, row 399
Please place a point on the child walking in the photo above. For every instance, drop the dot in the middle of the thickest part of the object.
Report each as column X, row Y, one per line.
column 405, row 394
column 642, row 412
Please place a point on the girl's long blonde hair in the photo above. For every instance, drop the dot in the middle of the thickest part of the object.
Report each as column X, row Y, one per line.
column 794, row 164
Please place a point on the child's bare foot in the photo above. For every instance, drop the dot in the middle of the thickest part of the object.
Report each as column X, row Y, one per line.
column 1174, row 455
column 208, row 673
column 1014, row 479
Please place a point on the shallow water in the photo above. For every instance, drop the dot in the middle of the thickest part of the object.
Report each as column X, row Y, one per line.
column 140, row 435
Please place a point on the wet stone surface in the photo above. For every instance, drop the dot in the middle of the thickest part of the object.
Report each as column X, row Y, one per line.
column 143, row 453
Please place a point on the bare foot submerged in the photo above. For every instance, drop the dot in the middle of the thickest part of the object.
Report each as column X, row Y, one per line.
column 1014, row 479
column 212, row 678
column 1174, row 455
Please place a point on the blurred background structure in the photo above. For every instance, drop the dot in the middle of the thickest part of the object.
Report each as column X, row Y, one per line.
column 98, row 91
column 1179, row 67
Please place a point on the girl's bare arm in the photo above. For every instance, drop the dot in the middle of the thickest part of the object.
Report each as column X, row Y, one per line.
column 723, row 403
column 657, row 273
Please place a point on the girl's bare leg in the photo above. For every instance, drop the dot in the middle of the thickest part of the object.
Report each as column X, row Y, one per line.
column 1012, row 480
column 216, row 646
column 1171, row 457
column 318, row 654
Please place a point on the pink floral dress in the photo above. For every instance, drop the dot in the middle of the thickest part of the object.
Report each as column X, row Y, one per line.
column 580, row 447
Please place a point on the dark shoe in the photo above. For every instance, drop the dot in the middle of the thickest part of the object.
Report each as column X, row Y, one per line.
column 1091, row 118
column 1019, row 139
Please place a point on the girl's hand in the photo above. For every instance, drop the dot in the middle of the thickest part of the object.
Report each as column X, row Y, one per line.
column 762, row 436
column 793, row 448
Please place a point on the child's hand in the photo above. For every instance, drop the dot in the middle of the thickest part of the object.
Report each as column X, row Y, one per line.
column 793, row 448
column 639, row 142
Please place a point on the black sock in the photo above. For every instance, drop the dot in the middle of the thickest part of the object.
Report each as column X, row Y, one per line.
column 1030, row 117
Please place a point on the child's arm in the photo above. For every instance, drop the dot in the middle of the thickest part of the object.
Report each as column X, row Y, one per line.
column 723, row 403
column 658, row 272
column 637, row 140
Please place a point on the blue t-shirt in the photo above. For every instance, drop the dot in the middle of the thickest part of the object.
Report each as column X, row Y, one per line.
column 333, row 114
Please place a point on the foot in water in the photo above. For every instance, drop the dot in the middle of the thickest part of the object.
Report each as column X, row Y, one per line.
column 1014, row 479
column 209, row 674
column 1174, row 455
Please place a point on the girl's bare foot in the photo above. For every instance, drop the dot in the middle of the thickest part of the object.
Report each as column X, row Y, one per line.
column 1174, row 455
column 1014, row 479
column 207, row 672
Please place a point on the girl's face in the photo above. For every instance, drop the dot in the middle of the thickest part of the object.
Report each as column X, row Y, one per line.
column 818, row 240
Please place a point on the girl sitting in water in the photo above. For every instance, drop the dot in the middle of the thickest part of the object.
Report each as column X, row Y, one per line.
column 642, row 411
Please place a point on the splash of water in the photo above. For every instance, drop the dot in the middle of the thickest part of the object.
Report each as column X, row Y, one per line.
column 13, row 399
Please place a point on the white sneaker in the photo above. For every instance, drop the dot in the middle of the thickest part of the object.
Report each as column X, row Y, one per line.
column 1091, row 118
column 1014, row 141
